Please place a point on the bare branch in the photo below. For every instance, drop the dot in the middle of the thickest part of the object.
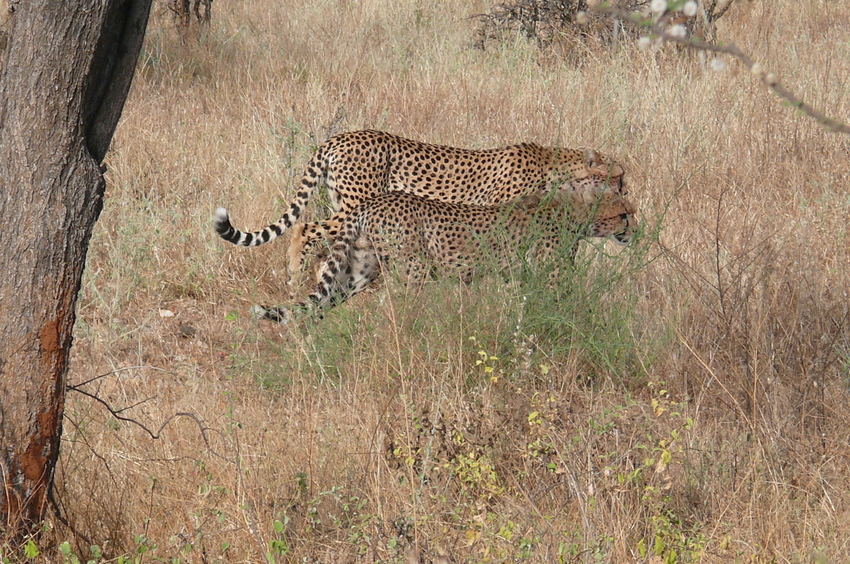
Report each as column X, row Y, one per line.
column 656, row 28
column 723, row 9
column 116, row 413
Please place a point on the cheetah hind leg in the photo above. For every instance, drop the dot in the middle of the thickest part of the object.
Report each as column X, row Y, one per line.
column 350, row 268
column 304, row 237
column 295, row 252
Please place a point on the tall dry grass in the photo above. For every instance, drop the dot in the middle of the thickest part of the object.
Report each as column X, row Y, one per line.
column 694, row 409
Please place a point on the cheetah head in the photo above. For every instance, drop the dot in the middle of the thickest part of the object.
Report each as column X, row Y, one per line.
column 608, row 215
column 587, row 170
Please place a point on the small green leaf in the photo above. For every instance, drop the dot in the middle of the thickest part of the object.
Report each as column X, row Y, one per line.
column 30, row 549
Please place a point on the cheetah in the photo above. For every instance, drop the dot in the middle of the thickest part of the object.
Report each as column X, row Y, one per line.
column 359, row 165
column 421, row 234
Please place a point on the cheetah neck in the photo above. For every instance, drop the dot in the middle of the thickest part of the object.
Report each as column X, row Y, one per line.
column 568, row 206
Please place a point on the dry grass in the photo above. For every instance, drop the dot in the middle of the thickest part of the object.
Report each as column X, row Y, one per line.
column 695, row 409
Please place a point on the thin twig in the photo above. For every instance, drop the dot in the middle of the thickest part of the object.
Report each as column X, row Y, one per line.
column 57, row 512
column 137, row 404
column 116, row 371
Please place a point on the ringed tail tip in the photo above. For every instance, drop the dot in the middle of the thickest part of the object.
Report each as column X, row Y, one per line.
column 221, row 221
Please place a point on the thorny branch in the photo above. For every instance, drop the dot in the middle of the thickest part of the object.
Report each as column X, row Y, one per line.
column 657, row 28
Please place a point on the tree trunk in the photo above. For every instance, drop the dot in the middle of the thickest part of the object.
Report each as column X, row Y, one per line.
column 65, row 74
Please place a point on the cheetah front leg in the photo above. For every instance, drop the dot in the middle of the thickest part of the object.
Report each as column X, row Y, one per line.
column 554, row 279
column 416, row 270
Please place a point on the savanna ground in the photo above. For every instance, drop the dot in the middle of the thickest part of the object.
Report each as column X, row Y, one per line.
column 685, row 399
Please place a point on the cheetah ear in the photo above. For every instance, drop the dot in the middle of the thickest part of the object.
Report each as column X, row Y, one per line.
column 615, row 171
column 591, row 158
column 587, row 197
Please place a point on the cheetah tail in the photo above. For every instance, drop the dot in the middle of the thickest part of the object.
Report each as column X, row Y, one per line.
column 316, row 169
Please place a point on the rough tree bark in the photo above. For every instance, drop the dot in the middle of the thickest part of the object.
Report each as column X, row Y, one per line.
column 65, row 73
